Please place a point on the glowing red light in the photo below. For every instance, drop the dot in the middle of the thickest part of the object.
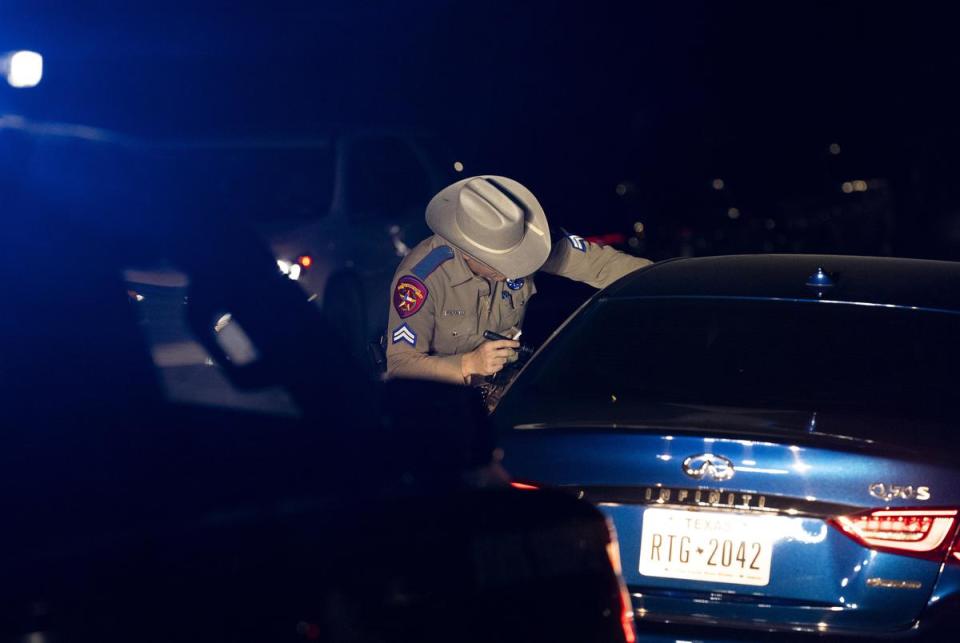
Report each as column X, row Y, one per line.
column 919, row 532
column 305, row 261
column 524, row 487
column 612, row 239
column 626, row 622
column 626, row 607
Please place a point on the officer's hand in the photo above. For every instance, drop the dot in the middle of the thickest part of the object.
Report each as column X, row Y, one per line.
column 488, row 358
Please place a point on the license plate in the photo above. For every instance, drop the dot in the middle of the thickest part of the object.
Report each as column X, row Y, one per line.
column 707, row 546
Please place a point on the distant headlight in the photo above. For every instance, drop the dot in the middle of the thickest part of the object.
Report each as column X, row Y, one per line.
column 289, row 268
column 22, row 68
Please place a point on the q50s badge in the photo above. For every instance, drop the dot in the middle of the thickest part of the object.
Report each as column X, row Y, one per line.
column 894, row 491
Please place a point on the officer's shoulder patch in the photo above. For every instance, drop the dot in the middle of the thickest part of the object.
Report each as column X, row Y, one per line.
column 579, row 243
column 433, row 260
column 409, row 295
column 404, row 333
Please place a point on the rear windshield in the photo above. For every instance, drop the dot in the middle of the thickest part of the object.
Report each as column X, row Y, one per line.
column 760, row 354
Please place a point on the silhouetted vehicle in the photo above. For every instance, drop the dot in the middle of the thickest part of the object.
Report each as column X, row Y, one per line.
column 338, row 210
column 359, row 513
column 770, row 435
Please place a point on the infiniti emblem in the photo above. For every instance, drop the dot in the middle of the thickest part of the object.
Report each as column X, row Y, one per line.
column 708, row 466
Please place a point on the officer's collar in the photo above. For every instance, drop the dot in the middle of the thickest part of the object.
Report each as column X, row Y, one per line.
column 457, row 270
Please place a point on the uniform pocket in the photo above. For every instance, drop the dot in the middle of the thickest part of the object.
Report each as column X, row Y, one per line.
column 456, row 333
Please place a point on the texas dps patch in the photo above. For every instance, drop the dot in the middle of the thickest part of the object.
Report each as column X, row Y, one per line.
column 409, row 295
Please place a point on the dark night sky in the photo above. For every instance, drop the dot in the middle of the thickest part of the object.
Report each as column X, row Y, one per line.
column 572, row 98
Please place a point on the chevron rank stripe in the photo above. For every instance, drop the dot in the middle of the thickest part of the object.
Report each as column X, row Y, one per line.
column 404, row 333
column 578, row 243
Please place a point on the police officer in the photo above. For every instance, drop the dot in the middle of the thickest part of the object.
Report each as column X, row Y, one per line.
column 476, row 274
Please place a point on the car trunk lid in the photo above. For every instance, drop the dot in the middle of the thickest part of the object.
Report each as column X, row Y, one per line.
column 768, row 501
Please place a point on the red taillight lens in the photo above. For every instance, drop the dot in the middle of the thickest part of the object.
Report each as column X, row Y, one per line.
column 524, row 486
column 954, row 556
column 626, row 607
column 306, row 261
column 926, row 533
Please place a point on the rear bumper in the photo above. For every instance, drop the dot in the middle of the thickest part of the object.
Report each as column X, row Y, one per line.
column 702, row 619
column 667, row 627
column 935, row 625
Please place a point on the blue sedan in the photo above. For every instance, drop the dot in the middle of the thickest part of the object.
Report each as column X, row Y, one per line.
column 772, row 437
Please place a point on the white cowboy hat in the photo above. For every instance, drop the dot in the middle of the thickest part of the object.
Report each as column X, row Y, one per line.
column 494, row 219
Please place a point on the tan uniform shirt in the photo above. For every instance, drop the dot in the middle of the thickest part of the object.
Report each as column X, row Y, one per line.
column 440, row 308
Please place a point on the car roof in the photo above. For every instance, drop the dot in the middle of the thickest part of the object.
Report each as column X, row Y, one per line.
column 873, row 280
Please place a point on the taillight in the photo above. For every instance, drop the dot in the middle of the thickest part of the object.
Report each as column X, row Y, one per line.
column 927, row 533
column 524, row 486
column 305, row 260
column 626, row 607
column 954, row 556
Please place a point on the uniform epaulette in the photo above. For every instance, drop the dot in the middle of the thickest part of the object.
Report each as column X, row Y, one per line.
column 432, row 261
